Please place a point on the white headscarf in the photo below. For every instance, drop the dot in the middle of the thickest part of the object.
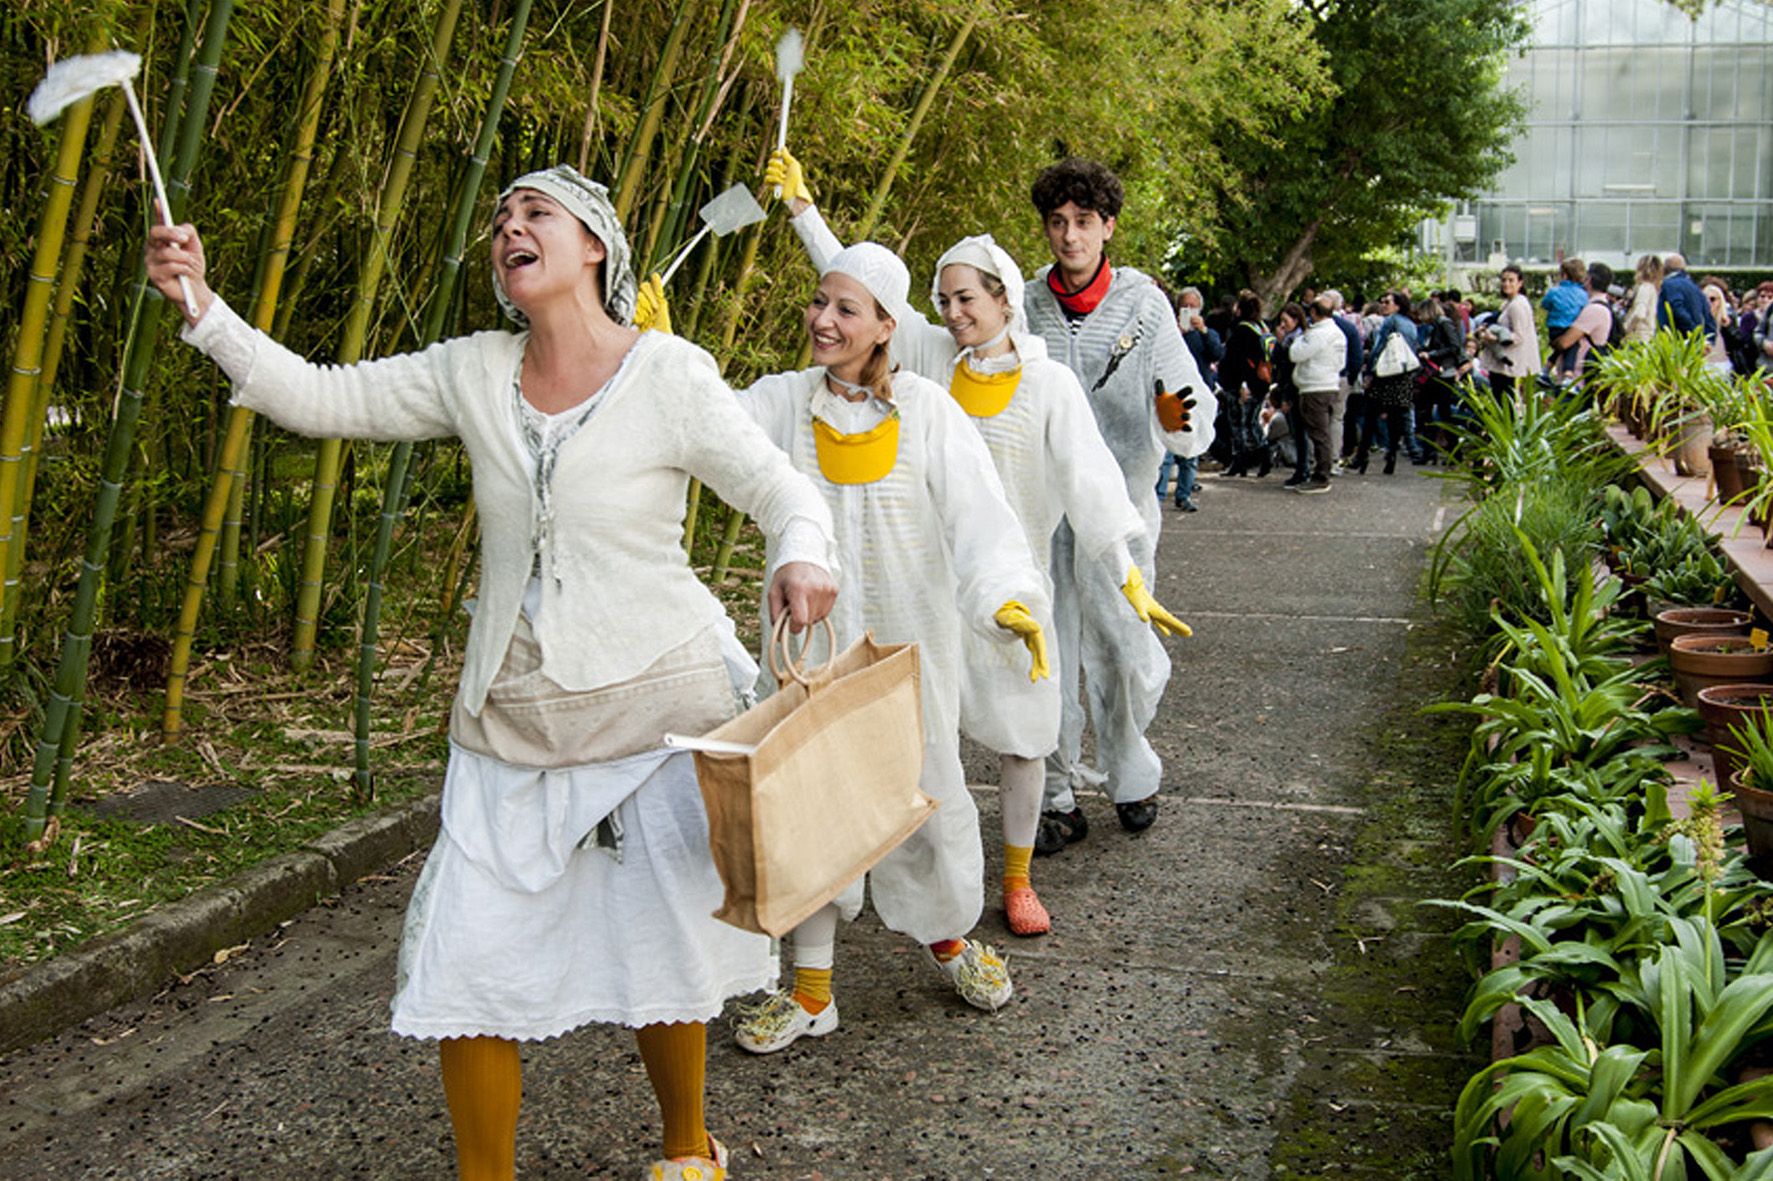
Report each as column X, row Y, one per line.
column 588, row 201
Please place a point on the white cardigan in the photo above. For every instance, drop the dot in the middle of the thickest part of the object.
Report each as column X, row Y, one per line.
column 617, row 588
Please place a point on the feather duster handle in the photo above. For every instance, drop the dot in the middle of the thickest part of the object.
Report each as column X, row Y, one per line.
column 75, row 78
column 790, row 56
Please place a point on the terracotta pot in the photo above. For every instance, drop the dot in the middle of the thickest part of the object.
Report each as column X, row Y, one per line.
column 1747, row 462
column 1687, row 447
column 1725, row 472
column 1726, row 707
column 1711, row 621
column 1700, row 660
column 1756, row 809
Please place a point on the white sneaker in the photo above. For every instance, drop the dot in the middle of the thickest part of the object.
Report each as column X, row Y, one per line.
column 979, row 974
column 778, row 1022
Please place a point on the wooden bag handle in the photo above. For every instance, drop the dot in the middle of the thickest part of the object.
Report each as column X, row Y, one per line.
column 783, row 666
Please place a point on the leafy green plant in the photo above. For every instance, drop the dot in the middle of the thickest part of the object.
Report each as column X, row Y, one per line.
column 1698, row 580
column 1661, row 1103
column 1514, row 442
column 1753, row 749
column 1476, row 570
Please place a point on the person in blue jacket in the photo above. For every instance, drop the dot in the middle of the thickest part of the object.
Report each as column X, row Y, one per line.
column 1680, row 304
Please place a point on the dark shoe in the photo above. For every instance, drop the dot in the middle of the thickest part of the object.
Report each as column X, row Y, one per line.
column 1391, row 463
column 1314, row 485
column 1359, row 466
column 1138, row 815
column 1421, row 459
column 1058, row 829
column 1238, row 466
column 1264, row 462
column 1294, row 481
column 1186, row 506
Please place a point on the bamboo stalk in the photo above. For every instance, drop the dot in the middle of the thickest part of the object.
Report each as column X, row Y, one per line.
column 640, row 147
column 609, row 7
column 62, row 715
column 28, row 349
column 329, row 455
column 922, row 109
column 230, row 460
column 394, row 492
column 55, row 341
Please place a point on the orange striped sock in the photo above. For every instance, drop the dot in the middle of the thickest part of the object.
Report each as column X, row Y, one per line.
column 1016, row 861
column 812, row 988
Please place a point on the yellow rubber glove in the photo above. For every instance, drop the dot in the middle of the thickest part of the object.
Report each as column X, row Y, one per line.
column 1149, row 609
column 650, row 309
column 1014, row 617
column 784, row 170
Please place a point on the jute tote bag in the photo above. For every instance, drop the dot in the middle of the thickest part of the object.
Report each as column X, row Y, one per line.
column 812, row 786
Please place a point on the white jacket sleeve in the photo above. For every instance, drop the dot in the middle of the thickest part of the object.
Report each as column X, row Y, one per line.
column 730, row 452
column 1091, row 489
column 985, row 541
column 404, row 397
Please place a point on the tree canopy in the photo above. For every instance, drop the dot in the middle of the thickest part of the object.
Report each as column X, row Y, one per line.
column 1418, row 116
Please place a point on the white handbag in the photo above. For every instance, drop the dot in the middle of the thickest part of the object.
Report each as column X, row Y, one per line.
column 1397, row 357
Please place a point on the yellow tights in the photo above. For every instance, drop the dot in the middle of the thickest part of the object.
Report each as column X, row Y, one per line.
column 483, row 1084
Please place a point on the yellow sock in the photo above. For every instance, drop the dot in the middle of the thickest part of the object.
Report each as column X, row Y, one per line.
column 483, row 1084
column 812, row 988
column 676, row 1058
column 1016, row 860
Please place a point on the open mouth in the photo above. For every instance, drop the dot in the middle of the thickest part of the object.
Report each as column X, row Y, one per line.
column 518, row 258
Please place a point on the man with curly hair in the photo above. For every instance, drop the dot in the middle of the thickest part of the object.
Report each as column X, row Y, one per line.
column 1114, row 328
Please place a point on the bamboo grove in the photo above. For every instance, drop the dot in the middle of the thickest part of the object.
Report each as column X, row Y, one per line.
column 341, row 159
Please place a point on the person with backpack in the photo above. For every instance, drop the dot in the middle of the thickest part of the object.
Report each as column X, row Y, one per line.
column 1245, row 372
column 1596, row 328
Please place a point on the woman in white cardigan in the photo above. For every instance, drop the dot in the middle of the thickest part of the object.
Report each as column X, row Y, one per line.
column 571, row 882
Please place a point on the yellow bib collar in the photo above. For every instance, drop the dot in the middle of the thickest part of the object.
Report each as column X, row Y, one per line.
column 857, row 459
column 983, row 395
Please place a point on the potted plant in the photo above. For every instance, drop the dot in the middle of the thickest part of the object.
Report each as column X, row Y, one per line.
column 1752, row 783
column 1702, row 660
column 1709, row 621
column 1724, row 708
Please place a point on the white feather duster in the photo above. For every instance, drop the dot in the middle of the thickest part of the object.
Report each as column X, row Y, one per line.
column 790, row 56
column 75, row 78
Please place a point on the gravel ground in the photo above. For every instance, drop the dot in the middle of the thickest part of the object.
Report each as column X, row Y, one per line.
column 1249, row 989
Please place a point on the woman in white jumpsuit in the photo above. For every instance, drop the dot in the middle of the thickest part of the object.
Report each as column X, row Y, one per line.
column 1052, row 461
column 929, row 550
column 571, row 881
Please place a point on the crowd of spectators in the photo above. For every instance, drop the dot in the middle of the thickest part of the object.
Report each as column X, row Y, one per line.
column 1306, row 390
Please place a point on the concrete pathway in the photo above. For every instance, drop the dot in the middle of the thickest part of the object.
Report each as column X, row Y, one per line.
column 1247, row 990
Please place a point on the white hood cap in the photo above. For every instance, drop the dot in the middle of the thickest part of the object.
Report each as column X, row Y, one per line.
column 878, row 270
column 982, row 253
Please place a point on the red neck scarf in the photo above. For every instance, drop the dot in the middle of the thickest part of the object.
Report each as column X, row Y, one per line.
column 1083, row 301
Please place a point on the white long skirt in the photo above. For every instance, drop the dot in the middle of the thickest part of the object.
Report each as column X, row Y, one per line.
column 522, row 926
column 489, row 949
